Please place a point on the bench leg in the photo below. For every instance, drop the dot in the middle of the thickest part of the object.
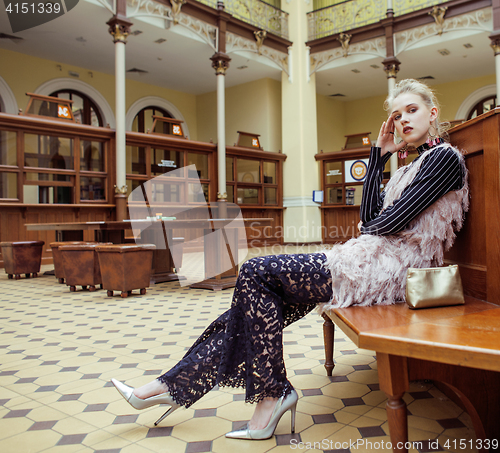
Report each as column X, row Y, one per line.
column 393, row 379
column 328, row 338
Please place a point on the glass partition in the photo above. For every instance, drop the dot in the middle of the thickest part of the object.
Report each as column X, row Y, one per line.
column 92, row 156
column 44, row 151
column 166, row 193
column 252, row 181
column 8, row 185
column 353, row 195
column 248, row 196
column 136, row 160
column 92, row 189
column 270, row 196
column 334, row 195
column 8, row 148
column 248, row 170
column 188, row 165
column 201, row 163
column 343, row 178
column 333, row 172
column 198, row 193
column 65, row 164
column 34, row 176
column 48, row 193
column 269, row 172
column 163, row 161
column 229, row 169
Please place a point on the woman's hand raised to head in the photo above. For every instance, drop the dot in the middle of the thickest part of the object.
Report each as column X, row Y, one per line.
column 385, row 139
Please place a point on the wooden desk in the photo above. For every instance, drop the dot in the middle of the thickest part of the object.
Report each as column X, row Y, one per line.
column 160, row 232
column 458, row 346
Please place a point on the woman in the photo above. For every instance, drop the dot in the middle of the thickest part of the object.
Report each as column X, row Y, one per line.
column 410, row 224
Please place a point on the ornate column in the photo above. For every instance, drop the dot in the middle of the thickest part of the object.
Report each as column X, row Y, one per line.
column 391, row 63
column 495, row 45
column 391, row 68
column 390, row 11
column 220, row 62
column 119, row 28
column 302, row 217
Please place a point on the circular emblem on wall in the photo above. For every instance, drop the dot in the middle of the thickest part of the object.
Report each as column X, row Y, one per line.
column 358, row 170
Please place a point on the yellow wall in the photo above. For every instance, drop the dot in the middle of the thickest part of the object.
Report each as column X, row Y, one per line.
column 367, row 115
column 24, row 73
column 331, row 123
column 250, row 107
column 451, row 95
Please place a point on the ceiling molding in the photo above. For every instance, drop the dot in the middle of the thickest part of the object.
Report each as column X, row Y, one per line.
column 235, row 43
column 418, row 18
column 328, row 58
column 481, row 21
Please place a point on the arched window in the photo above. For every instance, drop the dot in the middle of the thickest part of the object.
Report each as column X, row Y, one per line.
column 143, row 121
column 484, row 105
column 84, row 109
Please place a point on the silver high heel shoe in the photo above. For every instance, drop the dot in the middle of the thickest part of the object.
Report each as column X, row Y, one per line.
column 138, row 403
column 284, row 403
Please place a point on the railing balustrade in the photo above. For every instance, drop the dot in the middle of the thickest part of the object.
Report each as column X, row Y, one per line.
column 259, row 14
column 357, row 13
column 407, row 6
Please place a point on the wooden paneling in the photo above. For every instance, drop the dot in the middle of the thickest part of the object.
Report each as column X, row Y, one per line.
column 262, row 236
column 477, row 247
column 15, row 214
column 14, row 217
column 339, row 224
column 491, row 194
column 469, row 249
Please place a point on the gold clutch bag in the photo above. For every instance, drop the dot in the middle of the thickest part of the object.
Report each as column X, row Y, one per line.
column 434, row 287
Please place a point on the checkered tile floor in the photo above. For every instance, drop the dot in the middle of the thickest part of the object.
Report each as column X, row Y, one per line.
column 59, row 350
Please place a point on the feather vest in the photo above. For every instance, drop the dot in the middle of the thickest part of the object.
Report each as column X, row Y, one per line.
column 371, row 269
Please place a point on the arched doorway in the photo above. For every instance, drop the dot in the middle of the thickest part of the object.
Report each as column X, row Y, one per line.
column 85, row 110
column 143, row 121
column 484, row 105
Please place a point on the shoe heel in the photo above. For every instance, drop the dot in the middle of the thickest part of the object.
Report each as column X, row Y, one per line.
column 294, row 410
column 169, row 411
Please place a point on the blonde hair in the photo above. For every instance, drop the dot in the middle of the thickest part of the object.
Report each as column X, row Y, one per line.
column 428, row 96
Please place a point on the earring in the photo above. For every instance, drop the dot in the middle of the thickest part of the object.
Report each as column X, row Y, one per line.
column 433, row 136
column 403, row 152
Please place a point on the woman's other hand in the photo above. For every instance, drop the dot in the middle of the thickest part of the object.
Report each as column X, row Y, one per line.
column 385, row 139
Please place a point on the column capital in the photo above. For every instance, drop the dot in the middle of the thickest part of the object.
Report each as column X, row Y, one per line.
column 391, row 67
column 220, row 62
column 121, row 190
column 119, row 28
column 495, row 42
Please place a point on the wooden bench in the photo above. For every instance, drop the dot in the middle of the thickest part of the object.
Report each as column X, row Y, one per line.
column 458, row 347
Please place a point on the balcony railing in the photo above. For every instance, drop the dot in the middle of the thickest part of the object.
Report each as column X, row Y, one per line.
column 357, row 13
column 259, row 14
column 407, row 6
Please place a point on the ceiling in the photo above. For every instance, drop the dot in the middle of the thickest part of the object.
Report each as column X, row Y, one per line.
column 80, row 38
column 359, row 80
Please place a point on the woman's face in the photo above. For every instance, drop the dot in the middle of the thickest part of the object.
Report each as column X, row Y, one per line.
column 412, row 118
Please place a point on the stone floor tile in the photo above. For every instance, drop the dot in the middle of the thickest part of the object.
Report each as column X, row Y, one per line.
column 59, row 350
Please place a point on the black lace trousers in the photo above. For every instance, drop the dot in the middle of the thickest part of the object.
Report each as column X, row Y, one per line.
column 244, row 346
